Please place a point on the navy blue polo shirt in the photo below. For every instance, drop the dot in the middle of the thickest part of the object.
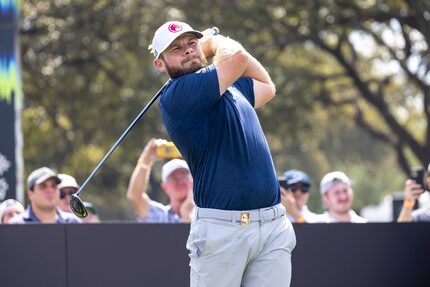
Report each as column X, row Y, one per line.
column 221, row 139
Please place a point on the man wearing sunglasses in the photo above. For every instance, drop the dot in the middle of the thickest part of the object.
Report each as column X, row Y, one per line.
column 44, row 196
column 67, row 187
column 295, row 196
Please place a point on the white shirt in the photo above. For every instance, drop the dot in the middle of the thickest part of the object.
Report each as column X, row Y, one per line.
column 308, row 215
column 325, row 217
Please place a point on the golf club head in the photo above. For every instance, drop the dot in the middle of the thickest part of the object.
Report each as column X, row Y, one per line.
column 78, row 207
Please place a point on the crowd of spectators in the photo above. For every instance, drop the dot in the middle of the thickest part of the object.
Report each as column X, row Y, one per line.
column 49, row 195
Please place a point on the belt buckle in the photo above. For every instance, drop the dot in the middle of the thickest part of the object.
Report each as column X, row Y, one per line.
column 245, row 219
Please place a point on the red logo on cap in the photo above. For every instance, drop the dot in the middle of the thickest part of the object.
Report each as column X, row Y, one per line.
column 174, row 28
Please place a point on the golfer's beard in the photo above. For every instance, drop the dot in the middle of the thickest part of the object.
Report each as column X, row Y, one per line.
column 176, row 72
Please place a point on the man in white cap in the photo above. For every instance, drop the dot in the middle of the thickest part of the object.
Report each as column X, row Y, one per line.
column 10, row 208
column 67, row 187
column 176, row 181
column 337, row 196
column 240, row 235
column 44, row 195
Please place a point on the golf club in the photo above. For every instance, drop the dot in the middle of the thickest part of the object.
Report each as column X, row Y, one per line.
column 76, row 203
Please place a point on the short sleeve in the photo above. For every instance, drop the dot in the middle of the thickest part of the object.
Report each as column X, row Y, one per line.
column 190, row 97
column 246, row 86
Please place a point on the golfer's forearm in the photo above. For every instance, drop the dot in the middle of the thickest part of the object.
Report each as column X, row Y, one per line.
column 221, row 48
column 256, row 71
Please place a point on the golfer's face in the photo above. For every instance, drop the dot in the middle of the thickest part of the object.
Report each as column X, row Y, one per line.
column 178, row 184
column 183, row 56
column 339, row 198
column 45, row 195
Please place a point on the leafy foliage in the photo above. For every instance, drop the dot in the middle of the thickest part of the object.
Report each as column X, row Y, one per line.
column 351, row 76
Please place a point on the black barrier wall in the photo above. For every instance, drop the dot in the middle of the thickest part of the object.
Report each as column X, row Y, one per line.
column 154, row 255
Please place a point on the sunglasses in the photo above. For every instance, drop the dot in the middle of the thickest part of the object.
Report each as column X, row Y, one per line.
column 63, row 194
column 303, row 188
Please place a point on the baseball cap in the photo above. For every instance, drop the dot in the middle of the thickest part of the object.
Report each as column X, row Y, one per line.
column 167, row 33
column 296, row 176
column 8, row 204
column 332, row 178
column 171, row 166
column 40, row 175
column 67, row 181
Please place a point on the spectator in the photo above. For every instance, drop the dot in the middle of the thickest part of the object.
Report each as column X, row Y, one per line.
column 295, row 196
column 177, row 183
column 8, row 209
column 67, row 187
column 337, row 196
column 413, row 191
column 44, row 196
column 92, row 213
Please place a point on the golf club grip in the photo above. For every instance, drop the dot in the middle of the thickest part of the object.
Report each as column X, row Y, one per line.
column 122, row 136
column 210, row 31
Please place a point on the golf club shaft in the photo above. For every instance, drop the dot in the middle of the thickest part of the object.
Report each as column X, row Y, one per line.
column 207, row 32
column 122, row 137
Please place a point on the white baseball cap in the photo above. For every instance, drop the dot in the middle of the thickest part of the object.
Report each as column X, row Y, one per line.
column 40, row 175
column 331, row 179
column 167, row 33
column 67, row 181
column 171, row 166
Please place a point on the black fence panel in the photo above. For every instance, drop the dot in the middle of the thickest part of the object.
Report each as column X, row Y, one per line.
column 33, row 255
column 385, row 254
column 127, row 255
column 374, row 254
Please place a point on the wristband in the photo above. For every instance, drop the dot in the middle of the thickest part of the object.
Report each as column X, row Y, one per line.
column 409, row 203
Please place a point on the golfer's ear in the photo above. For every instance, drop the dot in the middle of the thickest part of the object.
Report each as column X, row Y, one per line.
column 159, row 65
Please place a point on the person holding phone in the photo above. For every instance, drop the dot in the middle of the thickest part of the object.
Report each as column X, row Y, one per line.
column 177, row 183
column 414, row 187
column 295, row 186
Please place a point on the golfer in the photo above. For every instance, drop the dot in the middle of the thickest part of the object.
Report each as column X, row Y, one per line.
column 240, row 235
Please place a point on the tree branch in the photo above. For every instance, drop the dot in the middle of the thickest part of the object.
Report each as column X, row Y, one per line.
column 377, row 102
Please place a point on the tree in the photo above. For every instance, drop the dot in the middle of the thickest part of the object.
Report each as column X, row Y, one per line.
column 87, row 74
column 365, row 39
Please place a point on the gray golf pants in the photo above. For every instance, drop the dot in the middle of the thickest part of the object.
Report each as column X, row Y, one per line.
column 241, row 249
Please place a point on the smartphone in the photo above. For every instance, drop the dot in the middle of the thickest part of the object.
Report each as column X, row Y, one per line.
column 417, row 174
column 282, row 182
column 168, row 150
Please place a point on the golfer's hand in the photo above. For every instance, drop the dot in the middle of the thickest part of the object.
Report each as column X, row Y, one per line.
column 413, row 190
column 149, row 153
column 207, row 45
